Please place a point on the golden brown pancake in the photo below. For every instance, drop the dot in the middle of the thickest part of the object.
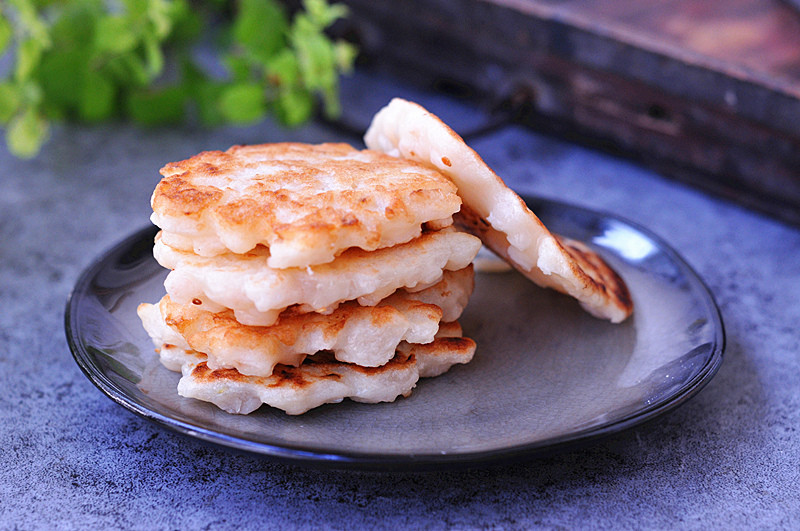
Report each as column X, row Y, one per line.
column 305, row 274
column 258, row 293
column 364, row 335
column 496, row 214
column 306, row 203
column 320, row 379
column 579, row 270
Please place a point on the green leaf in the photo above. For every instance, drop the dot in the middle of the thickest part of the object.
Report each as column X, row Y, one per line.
column 31, row 93
column 137, row 9
column 323, row 14
column 97, row 98
column 190, row 72
column 294, row 107
column 157, row 107
column 154, row 57
column 26, row 134
column 186, row 23
column 91, row 59
column 317, row 60
column 202, row 92
column 75, row 28
column 346, row 54
column 10, row 101
column 30, row 23
column 6, row 32
column 260, row 27
column 159, row 14
column 61, row 75
column 114, row 34
column 128, row 70
column 330, row 100
column 283, row 69
column 207, row 97
column 243, row 103
column 29, row 54
column 239, row 67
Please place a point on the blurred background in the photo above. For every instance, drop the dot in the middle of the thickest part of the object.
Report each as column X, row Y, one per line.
column 706, row 91
column 702, row 91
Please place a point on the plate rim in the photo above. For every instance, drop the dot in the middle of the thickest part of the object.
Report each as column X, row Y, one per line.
column 318, row 456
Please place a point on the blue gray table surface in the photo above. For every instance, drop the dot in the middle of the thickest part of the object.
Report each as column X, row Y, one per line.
column 71, row 458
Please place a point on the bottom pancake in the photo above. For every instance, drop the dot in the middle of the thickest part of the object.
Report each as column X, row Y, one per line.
column 320, row 379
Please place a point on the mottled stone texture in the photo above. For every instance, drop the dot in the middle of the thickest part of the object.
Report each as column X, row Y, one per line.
column 71, row 458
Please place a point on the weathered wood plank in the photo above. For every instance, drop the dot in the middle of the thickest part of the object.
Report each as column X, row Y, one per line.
column 706, row 91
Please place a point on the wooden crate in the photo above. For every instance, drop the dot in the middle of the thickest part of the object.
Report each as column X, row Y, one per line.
column 707, row 91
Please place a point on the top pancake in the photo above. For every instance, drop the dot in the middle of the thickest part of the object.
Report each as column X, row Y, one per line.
column 496, row 214
column 306, row 203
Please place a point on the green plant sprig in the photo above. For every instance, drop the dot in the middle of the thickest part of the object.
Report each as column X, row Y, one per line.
column 99, row 60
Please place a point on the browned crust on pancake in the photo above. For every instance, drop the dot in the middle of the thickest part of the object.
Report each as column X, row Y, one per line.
column 446, row 346
column 350, row 212
column 174, row 194
column 321, row 365
column 451, row 329
column 587, row 266
column 599, row 273
column 200, row 327
column 470, row 221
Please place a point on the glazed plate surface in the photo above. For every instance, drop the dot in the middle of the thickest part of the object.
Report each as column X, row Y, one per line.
column 546, row 375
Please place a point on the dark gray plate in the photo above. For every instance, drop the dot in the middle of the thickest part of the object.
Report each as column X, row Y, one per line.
column 545, row 376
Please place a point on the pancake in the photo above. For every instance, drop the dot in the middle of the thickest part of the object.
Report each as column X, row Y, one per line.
column 258, row 293
column 451, row 293
column 319, row 380
column 364, row 335
column 306, row 203
column 496, row 214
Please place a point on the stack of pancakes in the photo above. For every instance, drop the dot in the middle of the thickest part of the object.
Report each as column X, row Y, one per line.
column 302, row 275
column 306, row 274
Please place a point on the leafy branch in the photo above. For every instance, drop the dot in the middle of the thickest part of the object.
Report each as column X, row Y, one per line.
column 98, row 60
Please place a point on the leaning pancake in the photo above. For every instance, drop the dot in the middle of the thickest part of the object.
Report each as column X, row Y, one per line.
column 320, row 379
column 306, row 203
column 564, row 264
column 258, row 293
column 496, row 214
column 364, row 335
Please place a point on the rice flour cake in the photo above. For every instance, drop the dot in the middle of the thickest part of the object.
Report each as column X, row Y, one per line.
column 257, row 293
column 320, row 379
column 306, row 274
column 496, row 214
column 305, row 203
column 363, row 335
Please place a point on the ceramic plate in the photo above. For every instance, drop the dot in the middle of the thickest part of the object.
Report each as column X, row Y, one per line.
column 546, row 375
